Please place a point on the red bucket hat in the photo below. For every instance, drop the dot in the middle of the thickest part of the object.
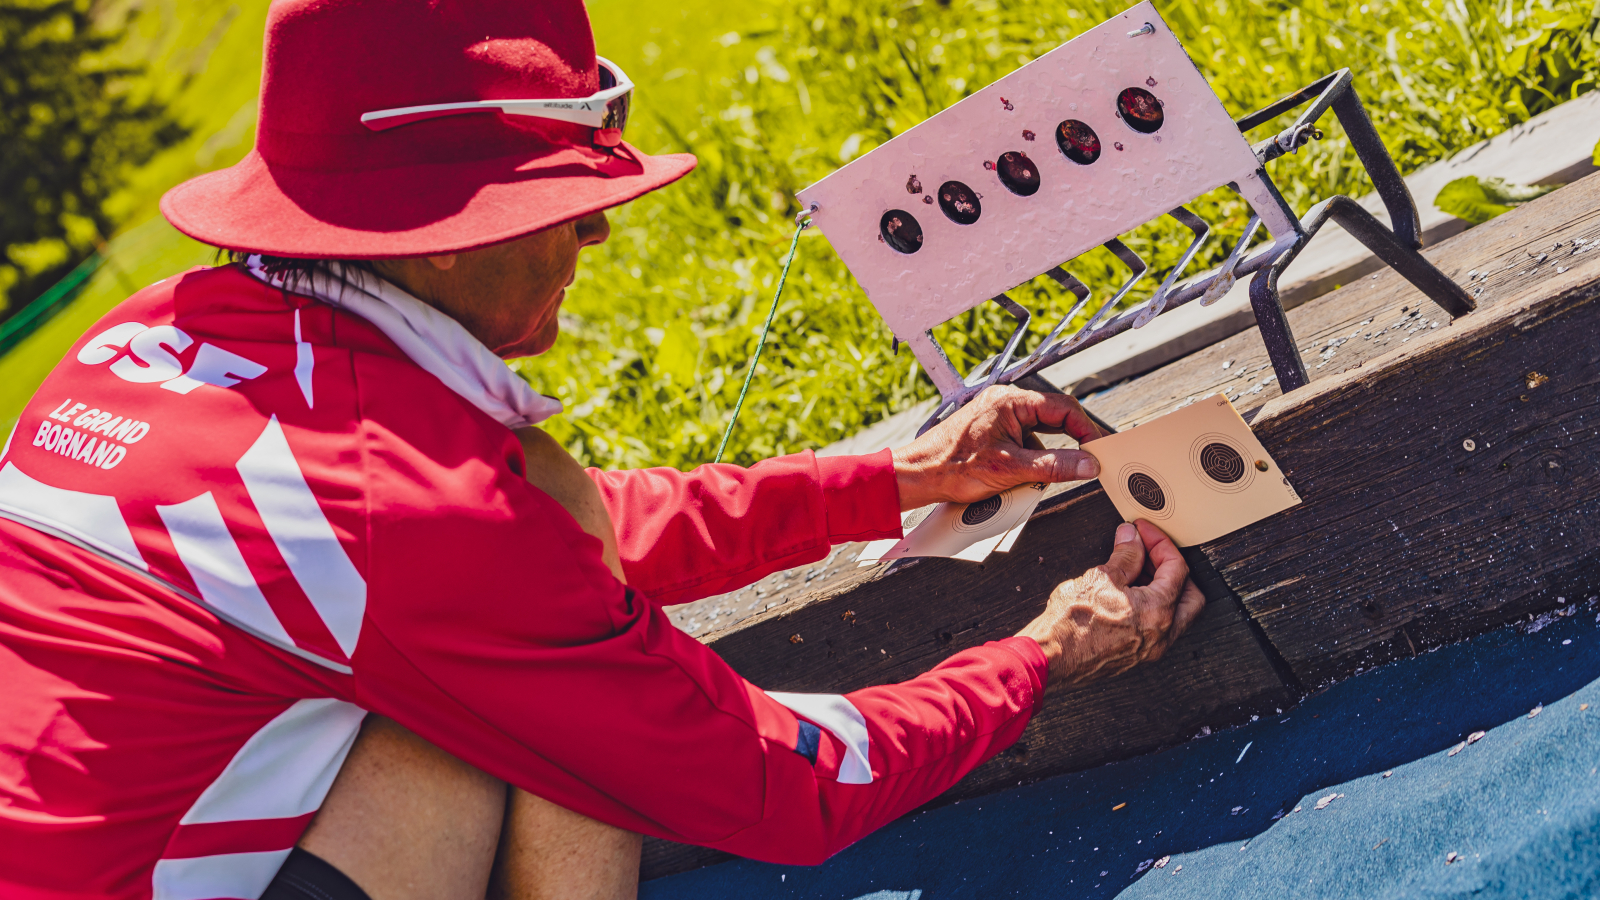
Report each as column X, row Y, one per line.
column 321, row 183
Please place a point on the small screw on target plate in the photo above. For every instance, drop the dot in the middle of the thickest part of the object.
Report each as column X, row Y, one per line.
column 1469, row 445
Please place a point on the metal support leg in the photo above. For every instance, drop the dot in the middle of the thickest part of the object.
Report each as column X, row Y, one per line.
column 1274, row 325
column 1380, row 168
column 1395, row 253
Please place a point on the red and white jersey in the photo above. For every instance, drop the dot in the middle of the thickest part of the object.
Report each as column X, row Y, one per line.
column 234, row 520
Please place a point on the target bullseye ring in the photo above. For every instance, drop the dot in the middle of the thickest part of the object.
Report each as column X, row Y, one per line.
column 981, row 511
column 1222, row 462
column 1146, row 492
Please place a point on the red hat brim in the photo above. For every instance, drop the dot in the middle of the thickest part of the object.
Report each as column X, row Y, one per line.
column 415, row 210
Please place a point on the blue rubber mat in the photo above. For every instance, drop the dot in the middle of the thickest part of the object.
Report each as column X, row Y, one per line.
column 1409, row 808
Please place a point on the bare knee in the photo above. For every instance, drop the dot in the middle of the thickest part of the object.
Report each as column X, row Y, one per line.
column 405, row 819
column 548, row 852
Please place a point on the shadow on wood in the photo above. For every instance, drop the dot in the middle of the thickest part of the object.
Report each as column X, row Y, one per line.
column 1451, row 486
column 899, row 620
column 1451, row 479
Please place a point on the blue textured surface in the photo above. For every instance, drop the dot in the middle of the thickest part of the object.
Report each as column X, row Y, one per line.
column 1521, row 806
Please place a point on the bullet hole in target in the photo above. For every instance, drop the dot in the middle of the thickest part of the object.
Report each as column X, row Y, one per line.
column 1141, row 110
column 913, row 186
column 959, row 202
column 901, row 230
column 1018, row 173
column 1078, row 142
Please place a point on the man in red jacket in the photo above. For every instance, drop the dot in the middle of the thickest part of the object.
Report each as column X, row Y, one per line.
column 259, row 502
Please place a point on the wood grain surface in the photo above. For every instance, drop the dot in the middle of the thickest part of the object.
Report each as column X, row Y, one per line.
column 1453, row 484
column 889, row 623
column 1407, row 538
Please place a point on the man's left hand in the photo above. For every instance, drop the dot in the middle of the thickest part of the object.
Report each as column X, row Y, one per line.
column 988, row 446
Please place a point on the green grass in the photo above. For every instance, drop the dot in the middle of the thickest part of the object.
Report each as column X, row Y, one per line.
column 662, row 320
column 205, row 57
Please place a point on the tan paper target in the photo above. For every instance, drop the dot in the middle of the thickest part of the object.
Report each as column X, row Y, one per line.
column 1198, row 473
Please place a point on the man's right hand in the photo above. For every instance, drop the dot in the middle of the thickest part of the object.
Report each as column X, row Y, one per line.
column 1100, row 623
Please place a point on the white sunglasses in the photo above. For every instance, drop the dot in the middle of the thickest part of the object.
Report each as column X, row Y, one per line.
column 606, row 111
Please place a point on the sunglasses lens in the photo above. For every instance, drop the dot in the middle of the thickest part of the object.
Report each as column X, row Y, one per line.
column 610, row 133
column 617, row 112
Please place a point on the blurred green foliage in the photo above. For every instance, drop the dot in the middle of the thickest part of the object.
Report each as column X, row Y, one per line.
column 663, row 319
column 772, row 96
column 74, row 126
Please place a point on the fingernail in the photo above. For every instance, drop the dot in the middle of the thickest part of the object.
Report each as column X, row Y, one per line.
column 1126, row 533
column 1088, row 467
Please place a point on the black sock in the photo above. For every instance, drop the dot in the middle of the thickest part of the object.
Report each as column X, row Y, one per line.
column 306, row 876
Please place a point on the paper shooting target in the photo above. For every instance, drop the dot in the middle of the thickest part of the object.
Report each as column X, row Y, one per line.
column 1221, row 463
column 1145, row 487
column 984, row 515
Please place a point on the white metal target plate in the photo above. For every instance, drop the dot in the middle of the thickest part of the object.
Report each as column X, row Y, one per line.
column 1137, row 178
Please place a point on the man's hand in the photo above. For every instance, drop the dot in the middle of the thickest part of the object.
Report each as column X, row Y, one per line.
column 1100, row 624
column 988, row 446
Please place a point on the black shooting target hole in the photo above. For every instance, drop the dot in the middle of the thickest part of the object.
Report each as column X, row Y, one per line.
column 1221, row 462
column 901, row 230
column 1146, row 492
column 1018, row 173
column 981, row 511
column 1141, row 110
column 1078, row 142
column 959, row 202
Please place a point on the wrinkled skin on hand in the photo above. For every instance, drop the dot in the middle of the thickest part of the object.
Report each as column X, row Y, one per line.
column 1115, row 616
column 988, row 446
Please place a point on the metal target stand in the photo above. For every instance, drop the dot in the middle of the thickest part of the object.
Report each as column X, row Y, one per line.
column 1125, row 97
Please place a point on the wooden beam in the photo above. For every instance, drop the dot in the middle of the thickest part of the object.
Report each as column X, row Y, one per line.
column 1451, row 485
column 1406, row 539
column 891, row 622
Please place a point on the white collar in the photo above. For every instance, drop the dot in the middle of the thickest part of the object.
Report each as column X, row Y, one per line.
column 430, row 338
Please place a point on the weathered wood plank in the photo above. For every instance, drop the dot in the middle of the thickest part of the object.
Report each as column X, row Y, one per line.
column 1376, row 315
column 1408, row 538
column 889, row 623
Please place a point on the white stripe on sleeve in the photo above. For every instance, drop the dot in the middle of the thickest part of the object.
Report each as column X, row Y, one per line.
column 843, row 721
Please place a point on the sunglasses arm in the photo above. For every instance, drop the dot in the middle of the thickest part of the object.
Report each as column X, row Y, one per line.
column 585, row 113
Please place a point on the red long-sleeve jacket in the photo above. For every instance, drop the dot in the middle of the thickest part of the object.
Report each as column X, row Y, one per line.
column 223, row 542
